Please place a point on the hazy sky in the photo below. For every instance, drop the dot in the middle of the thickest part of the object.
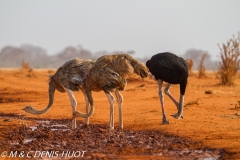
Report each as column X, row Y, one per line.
column 144, row 26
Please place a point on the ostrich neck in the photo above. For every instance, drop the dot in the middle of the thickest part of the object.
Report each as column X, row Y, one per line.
column 51, row 91
column 34, row 111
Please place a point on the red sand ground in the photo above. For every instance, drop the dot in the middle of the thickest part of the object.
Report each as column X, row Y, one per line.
column 213, row 120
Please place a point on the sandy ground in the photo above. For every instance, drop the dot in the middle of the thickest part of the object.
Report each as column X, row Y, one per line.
column 210, row 120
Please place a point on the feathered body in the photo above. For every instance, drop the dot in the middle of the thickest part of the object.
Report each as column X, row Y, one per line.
column 169, row 68
column 109, row 72
column 72, row 74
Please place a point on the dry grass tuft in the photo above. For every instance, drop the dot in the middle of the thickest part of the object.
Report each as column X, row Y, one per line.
column 237, row 106
column 192, row 102
column 27, row 70
column 25, row 66
column 230, row 62
column 201, row 68
column 190, row 65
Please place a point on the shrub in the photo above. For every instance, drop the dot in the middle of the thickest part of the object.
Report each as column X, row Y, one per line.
column 25, row 65
column 201, row 68
column 230, row 62
column 190, row 65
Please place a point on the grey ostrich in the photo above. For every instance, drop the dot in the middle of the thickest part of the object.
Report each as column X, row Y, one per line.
column 173, row 70
column 109, row 74
column 68, row 78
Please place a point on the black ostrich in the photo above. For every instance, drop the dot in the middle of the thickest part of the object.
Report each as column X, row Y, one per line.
column 172, row 69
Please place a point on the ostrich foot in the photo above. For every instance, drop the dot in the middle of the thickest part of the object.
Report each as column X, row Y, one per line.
column 85, row 125
column 74, row 125
column 86, row 122
column 165, row 121
column 111, row 128
column 177, row 116
column 120, row 126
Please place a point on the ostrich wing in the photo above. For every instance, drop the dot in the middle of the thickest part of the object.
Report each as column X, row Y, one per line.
column 72, row 73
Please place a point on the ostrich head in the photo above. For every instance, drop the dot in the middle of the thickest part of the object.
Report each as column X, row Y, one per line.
column 29, row 109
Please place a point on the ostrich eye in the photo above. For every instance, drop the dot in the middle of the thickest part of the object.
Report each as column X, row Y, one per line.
column 114, row 74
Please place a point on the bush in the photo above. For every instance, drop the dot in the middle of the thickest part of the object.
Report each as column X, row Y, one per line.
column 190, row 65
column 201, row 68
column 25, row 66
column 230, row 62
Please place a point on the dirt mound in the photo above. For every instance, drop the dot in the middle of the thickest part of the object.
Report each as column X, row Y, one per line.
column 97, row 141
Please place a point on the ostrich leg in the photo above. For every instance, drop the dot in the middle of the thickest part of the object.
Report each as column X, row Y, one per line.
column 119, row 100
column 180, row 108
column 74, row 105
column 161, row 97
column 167, row 92
column 111, row 101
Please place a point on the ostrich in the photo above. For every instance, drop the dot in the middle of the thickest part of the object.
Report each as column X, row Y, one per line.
column 109, row 74
column 173, row 70
column 68, row 78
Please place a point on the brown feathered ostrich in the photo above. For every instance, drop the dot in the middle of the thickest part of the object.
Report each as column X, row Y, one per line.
column 68, row 78
column 109, row 74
